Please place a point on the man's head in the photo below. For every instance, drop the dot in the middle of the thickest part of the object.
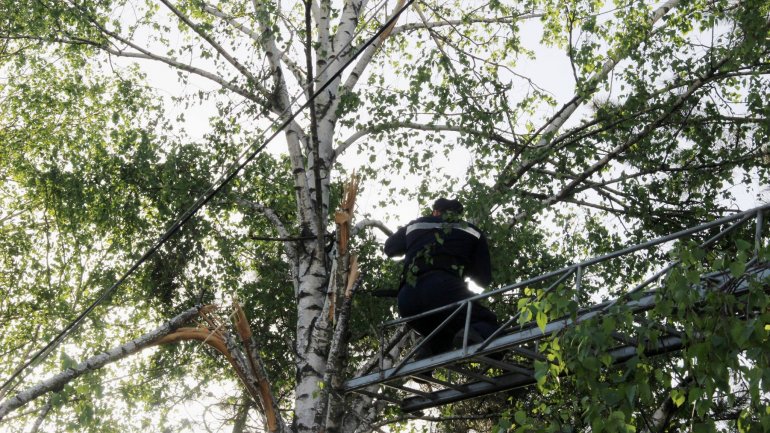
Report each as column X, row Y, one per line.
column 444, row 205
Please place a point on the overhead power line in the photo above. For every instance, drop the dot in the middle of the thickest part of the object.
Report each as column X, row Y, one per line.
column 236, row 168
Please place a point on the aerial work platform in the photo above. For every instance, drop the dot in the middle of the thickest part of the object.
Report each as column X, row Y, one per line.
column 506, row 360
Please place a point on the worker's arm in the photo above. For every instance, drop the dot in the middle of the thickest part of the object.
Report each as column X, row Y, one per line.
column 395, row 245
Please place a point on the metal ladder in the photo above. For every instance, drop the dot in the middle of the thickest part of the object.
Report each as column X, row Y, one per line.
column 505, row 360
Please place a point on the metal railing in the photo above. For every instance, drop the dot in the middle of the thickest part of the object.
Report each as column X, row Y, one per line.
column 576, row 273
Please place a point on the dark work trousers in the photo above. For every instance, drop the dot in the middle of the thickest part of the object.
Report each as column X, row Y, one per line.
column 435, row 289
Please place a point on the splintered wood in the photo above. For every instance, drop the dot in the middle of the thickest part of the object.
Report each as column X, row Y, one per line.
column 244, row 358
column 344, row 216
column 347, row 267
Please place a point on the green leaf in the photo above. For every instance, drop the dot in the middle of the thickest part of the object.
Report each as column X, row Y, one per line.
column 520, row 417
column 737, row 269
column 631, row 394
column 542, row 320
column 743, row 245
column 678, row 396
column 541, row 372
column 67, row 362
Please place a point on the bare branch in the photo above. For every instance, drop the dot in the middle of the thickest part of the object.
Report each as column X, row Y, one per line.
column 451, row 23
column 268, row 212
column 41, row 417
column 273, row 217
column 419, row 126
column 210, row 40
column 143, row 53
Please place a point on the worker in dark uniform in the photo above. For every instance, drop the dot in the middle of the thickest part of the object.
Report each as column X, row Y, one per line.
column 442, row 251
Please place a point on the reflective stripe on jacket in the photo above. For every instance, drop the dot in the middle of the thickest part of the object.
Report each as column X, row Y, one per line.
column 431, row 243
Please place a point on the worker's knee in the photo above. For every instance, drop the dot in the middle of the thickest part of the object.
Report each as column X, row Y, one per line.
column 484, row 328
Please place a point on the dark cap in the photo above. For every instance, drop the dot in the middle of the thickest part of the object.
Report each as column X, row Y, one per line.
column 446, row 205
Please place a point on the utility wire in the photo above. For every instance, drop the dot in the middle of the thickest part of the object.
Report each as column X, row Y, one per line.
column 203, row 200
column 52, row 345
column 4, row 388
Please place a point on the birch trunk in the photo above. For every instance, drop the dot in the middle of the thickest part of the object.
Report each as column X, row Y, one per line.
column 315, row 315
column 311, row 358
column 333, row 45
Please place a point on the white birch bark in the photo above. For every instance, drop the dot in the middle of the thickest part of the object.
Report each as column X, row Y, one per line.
column 311, row 271
column 41, row 417
column 313, row 327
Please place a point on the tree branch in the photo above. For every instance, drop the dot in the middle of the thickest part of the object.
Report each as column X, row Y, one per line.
column 254, row 36
column 269, row 213
column 281, row 106
column 266, row 398
column 452, row 23
column 276, row 221
column 41, row 417
column 143, row 53
column 510, row 174
column 366, row 57
column 58, row 381
column 569, row 189
column 338, row 344
column 350, row 141
column 210, row 40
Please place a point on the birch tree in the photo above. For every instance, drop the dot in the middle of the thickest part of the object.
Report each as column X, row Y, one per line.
column 94, row 166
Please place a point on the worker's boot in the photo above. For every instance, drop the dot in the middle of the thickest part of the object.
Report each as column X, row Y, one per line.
column 473, row 338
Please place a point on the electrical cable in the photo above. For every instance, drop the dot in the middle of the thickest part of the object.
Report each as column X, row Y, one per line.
column 202, row 201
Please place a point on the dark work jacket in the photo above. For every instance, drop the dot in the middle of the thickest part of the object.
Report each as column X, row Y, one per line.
column 431, row 244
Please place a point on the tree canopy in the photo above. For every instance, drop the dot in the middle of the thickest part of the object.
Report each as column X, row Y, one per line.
column 569, row 128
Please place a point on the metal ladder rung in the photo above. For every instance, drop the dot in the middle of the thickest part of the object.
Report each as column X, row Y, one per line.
column 378, row 396
column 505, row 366
column 475, row 389
column 443, row 383
column 531, row 354
column 630, row 341
column 471, row 374
column 670, row 330
column 410, row 390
